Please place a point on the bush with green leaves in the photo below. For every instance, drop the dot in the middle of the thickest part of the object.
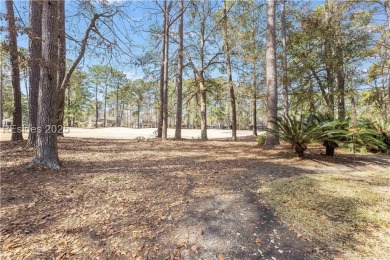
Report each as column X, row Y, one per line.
column 261, row 139
column 302, row 130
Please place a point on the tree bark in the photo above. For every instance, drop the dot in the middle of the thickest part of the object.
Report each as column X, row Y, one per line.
column 329, row 64
column 13, row 49
column 166, row 79
column 254, row 100
column 61, row 67
column 229, row 72
column 96, row 107
column 105, row 107
column 340, row 76
column 1, row 91
column 162, row 73
column 35, row 47
column 117, row 123
column 203, row 109
column 284, row 62
column 179, row 79
column 272, row 88
column 47, row 151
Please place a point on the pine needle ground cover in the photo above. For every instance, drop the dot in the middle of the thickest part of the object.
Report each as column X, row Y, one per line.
column 347, row 212
column 189, row 199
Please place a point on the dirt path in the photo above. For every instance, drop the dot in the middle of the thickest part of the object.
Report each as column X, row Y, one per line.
column 123, row 199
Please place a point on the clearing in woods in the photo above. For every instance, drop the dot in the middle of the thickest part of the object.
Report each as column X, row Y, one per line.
column 148, row 199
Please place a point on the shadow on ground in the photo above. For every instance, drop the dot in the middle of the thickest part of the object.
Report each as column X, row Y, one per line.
column 147, row 199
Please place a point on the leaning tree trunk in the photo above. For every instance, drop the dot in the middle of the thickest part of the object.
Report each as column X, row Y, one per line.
column 229, row 72
column 47, row 151
column 61, row 67
column 179, row 80
column 35, row 45
column 272, row 89
column 17, row 133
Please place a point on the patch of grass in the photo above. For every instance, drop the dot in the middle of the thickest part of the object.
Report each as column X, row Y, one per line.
column 112, row 178
column 261, row 139
column 350, row 212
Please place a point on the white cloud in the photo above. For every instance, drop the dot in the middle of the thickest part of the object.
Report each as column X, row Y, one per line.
column 132, row 75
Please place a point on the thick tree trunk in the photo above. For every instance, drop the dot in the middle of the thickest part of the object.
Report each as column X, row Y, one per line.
column 330, row 147
column 47, row 152
column 233, row 114
column 329, row 64
column 272, row 89
column 61, row 67
column 284, row 62
column 35, row 47
column 13, row 49
column 166, row 79
column 179, row 80
column 162, row 73
column 340, row 76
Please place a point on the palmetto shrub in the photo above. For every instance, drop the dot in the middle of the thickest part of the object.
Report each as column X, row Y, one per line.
column 300, row 131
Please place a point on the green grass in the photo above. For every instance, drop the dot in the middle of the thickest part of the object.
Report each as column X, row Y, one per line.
column 349, row 211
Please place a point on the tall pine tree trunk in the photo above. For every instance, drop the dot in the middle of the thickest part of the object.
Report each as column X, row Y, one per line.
column 166, row 79
column 162, row 73
column 272, row 87
column 179, row 80
column 229, row 72
column 340, row 76
column 284, row 62
column 47, row 151
column 254, row 98
column 35, row 47
column 13, row 49
column 61, row 67
column 329, row 58
column 203, row 108
column 96, row 107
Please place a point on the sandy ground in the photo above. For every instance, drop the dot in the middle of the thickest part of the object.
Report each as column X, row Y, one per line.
column 133, row 133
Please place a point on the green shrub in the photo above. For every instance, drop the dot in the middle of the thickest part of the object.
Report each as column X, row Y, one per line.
column 261, row 139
